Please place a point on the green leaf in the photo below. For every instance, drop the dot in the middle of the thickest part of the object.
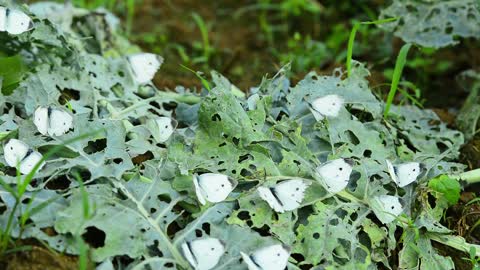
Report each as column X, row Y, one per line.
column 446, row 187
column 433, row 23
column 12, row 70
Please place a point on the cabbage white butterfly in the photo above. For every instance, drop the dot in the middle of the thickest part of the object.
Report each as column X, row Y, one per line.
column 386, row 208
column 335, row 174
column 326, row 106
column 14, row 21
column 404, row 174
column 166, row 127
column 273, row 257
column 213, row 187
column 285, row 196
column 203, row 254
column 16, row 151
column 52, row 121
column 144, row 66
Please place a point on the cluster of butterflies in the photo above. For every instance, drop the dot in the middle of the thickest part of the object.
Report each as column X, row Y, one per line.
column 287, row 195
column 51, row 122
column 205, row 253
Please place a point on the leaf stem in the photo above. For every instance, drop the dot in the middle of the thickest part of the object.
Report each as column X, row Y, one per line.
column 456, row 242
column 188, row 99
column 470, row 177
column 165, row 239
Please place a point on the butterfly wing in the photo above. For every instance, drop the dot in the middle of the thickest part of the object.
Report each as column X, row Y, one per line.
column 166, row 127
column 407, row 173
column 248, row 261
column 40, row 119
column 207, row 252
column 291, row 193
column 144, row 66
column 187, row 253
column 387, row 208
column 14, row 151
column 267, row 195
column 273, row 257
column 17, row 22
column 30, row 161
column 3, row 19
column 198, row 190
column 59, row 122
column 391, row 171
column 216, row 187
column 327, row 106
column 335, row 174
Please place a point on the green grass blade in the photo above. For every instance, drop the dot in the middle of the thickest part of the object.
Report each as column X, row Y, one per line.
column 29, row 177
column 204, row 32
column 85, row 201
column 397, row 73
column 351, row 39
column 205, row 83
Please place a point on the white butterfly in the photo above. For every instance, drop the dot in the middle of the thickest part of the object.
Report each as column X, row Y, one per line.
column 386, row 208
column 166, row 127
column 326, row 106
column 52, row 121
column 273, row 257
column 203, row 254
column 285, row 196
column 18, row 152
column 144, row 66
column 213, row 187
column 335, row 174
column 14, row 21
column 404, row 174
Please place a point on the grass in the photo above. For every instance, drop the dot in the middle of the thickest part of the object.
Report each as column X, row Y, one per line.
column 397, row 73
column 351, row 39
column 205, row 45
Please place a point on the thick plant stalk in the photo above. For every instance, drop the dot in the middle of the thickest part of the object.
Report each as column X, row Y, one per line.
column 469, row 177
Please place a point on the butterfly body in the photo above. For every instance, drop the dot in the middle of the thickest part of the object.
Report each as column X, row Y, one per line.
column 14, row 21
column 213, row 187
column 274, row 257
column 335, row 174
column 326, row 106
column 144, row 66
column 51, row 121
column 284, row 196
column 405, row 173
column 18, row 152
column 203, row 254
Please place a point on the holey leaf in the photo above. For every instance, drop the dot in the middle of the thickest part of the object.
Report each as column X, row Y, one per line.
column 330, row 235
column 42, row 207
column 434, row 23
column 131, row 219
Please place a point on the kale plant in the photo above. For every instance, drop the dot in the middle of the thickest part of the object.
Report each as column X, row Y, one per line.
column 136, row 191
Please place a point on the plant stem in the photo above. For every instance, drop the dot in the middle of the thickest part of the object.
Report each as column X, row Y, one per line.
column 470, row 177
column 189, row 99
column 455, row 242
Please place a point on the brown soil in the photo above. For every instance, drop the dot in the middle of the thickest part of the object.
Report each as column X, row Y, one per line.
column 38, row 258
